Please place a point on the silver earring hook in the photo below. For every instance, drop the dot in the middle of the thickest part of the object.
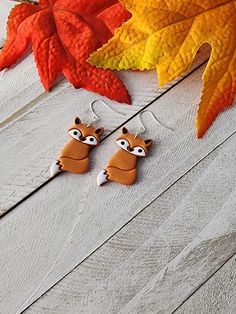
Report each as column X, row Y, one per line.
column 142, row 128
column 95, row 117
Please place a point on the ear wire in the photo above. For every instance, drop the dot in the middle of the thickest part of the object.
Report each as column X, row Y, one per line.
column 142, row 128
column 95, row 117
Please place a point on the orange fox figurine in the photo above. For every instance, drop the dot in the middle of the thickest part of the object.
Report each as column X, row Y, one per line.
column 122, row 166
column 74, row 157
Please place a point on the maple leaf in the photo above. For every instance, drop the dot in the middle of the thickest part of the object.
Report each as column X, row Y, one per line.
column 63, row 33
column 166, row 35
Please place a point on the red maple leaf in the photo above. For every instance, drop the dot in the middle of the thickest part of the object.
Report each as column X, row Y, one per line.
column 63, row 34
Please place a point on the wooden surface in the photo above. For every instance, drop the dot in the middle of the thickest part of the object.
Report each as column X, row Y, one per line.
column 5, row 7
column 164, row 254
column 68, row 246
column 217, row 296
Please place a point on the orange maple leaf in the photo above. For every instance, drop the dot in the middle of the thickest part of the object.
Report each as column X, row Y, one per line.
column 166, row 35
column 63, row 33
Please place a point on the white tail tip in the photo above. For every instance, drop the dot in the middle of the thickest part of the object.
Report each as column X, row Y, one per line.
column 55, row 169
column 102, row 178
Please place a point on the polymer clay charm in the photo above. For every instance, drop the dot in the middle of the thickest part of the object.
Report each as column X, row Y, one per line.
column 74, row 157
column 122, row 166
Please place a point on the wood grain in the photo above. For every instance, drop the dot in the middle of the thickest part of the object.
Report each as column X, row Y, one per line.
column 19, row 88
column 217, row 295
column 59, row 226
column 5, row 7
column 20, row 84
column 34, row 124
column 157, row 260
column 192, row 267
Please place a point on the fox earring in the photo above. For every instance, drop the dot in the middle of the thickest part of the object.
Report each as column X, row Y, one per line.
column 74, row 157
column 122, row 166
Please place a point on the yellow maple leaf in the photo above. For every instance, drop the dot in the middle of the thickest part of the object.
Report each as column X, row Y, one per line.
column 166, row 35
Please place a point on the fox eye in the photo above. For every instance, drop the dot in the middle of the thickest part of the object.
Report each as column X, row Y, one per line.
column 122, row 143
column 139, row 151
column 91, row 140
column 75, row 133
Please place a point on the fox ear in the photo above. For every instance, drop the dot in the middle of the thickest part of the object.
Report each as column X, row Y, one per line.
column 99, row 131
column 125, row 130
column 148, row 143
column 77, row 120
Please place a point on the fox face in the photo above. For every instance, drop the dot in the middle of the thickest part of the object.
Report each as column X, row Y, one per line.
column 85, row 134
column 133, row 145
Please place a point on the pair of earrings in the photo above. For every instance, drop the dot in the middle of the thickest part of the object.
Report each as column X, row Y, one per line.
column 121, row 168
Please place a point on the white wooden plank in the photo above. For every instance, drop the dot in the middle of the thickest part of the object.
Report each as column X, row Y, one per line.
column 65, row 221
column 19, row 85
column 41, row 127
column 5, row 7
column 113, row 277
column 199, row 260
column 217, row 295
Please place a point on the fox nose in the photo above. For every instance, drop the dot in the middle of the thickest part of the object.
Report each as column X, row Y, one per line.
column 129, row 149
column 82, row 138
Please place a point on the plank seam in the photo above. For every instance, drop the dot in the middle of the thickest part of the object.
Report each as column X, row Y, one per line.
column 204, row 282
column 129, row 222
column 111, row 133
column 166, row 266
column 18, row 113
